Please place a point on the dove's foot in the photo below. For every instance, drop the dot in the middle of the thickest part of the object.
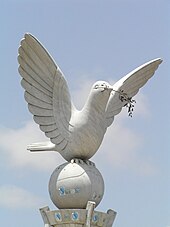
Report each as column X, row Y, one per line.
column 80, row 161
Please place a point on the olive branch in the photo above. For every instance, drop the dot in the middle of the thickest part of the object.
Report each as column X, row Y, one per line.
column 129, row 102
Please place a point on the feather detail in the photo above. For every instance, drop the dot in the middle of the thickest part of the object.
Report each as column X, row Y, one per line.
column 129, row 86
column 46, row 91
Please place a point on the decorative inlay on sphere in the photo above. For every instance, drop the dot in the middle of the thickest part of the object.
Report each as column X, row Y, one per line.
column 73, row 184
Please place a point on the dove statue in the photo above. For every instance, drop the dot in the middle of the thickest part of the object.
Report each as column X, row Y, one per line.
column 73, row 133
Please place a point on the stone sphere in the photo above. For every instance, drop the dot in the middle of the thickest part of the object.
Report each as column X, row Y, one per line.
column 75, row 183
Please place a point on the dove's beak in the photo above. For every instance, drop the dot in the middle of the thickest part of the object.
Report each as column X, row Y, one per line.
column 108, row 87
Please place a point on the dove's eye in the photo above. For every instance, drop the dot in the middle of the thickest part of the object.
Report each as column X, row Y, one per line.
column 96, row 86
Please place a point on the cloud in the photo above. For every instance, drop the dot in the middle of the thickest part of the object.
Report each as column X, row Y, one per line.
column 14, row 143
column 15, row 197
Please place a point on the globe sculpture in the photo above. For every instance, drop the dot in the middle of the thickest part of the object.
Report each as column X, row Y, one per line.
column 75, row 187
column 73, row 184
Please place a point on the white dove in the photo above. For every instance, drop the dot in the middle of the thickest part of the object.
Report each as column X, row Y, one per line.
column 72, row 133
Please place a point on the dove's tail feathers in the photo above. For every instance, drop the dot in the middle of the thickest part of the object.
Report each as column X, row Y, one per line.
column 41, row 146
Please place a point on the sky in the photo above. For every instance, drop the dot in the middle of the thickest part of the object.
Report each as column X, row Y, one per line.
column 90, row 40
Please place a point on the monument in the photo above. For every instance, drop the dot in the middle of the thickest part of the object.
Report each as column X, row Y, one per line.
column 75, row 187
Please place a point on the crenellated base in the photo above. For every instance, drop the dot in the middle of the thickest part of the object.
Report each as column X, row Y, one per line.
column 77, row 217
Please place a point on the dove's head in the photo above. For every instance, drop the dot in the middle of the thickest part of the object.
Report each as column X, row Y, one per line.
column 99, row 96
column 100, row 92
column 102, row 86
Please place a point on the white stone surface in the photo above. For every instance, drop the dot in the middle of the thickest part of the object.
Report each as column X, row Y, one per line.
column 73, row 133
column 77, row 217
column 73, row 184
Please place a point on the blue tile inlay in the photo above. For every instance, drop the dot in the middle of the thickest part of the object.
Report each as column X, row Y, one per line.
column 61, row 191
column 75, row 216
column 95, row 217
column 58, row 216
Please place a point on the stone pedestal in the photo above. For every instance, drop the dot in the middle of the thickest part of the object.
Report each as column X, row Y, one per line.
column 77, row 217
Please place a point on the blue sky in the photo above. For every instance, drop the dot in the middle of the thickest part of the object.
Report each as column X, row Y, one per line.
column 89, row 40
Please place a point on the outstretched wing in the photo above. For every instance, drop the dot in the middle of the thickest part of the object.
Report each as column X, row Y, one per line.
column 128, row 86
column 46, row 91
